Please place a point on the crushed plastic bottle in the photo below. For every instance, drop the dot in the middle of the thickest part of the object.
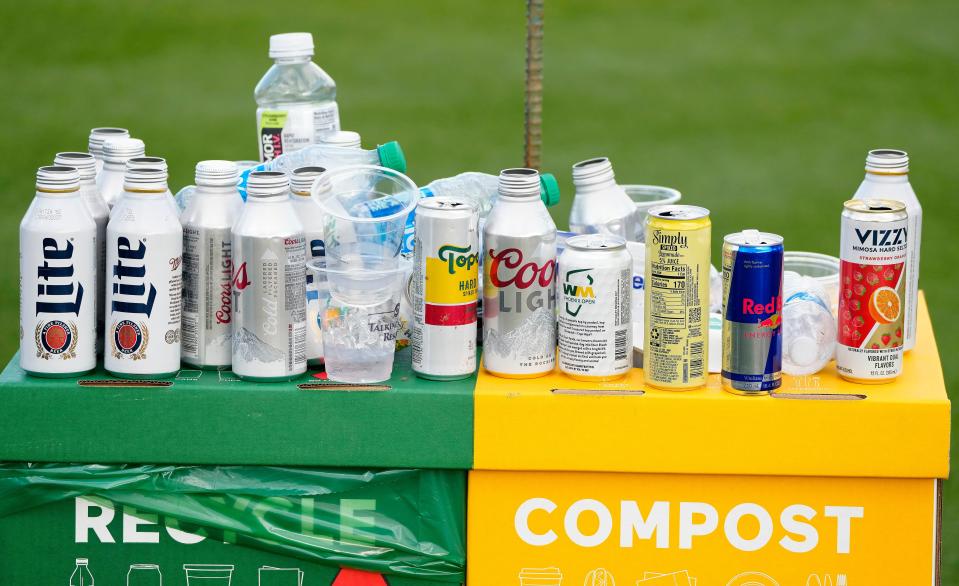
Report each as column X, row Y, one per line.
column 809, row 328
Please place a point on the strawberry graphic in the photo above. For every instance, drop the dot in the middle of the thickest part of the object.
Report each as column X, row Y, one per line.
column 847, row 293
column 858, row 321
column 885, row 339
column 857, row 275
column 855, row 304
column 846, row 315
column 856, row 335
column 889, row 274
column 872, row 279
column 859, row 289
column 898, row 332
column 875, row 346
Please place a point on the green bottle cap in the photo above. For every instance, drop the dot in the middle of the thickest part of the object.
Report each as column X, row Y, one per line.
column 391, row 156
column 548, row 189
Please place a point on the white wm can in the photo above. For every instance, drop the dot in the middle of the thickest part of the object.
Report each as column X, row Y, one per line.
column 208, row 266
column 57, row 274
column 444, row 289
column 311, row 216
column 269, row 283
column 144, row 289
column 595, row 323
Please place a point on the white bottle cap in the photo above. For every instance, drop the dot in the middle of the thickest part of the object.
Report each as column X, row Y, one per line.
column 147, row 163
column 291, row 45
column 302, row 180
column 592, row 171
column 85, row 163
column 519, row 182
column 887, row 161
column 267, row 183
column 119, row 150
column 145, row 179
column 58, row 178
column 98, row 135
column 343, row 138
column 217, row 173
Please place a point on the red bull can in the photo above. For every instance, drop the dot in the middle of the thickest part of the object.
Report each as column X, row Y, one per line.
column 752, row 312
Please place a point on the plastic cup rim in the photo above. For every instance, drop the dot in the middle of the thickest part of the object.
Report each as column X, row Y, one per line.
column 332, row 176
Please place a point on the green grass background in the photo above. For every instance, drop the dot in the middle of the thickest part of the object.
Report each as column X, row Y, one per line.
column 761, row 111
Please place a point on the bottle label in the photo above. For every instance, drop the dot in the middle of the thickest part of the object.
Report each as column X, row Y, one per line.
column 289, row 130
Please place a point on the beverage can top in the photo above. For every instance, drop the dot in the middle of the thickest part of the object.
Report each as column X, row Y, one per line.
column 98, row 135
column 119, row 150
column 343, row 138
column 85, row 163
column 750, row 237
column 267, row 183
column 216, row 173
column 875, row 206
column 678, row 212
column 58, row 178
column 447, row 204
column 302, row 179
column 887, row 161
column 596, row 242
column 147, row 163
column 291, row 45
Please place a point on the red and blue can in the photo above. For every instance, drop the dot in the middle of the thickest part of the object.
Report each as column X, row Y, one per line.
column 752, row 312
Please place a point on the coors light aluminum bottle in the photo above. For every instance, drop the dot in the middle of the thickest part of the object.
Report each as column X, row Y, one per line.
column 100, row 211
column 269, row 283
column 57, row 271
column 208, row 266
column 519, row 297
column 144, row 280
column 311, row 215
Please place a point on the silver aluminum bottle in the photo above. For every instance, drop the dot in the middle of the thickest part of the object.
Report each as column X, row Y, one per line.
column 519, row 296
column 269, row 283
column 444, row 288
column 100, row 211
column 595, row 319
column 98, row 136
column 311, row 215
column 57, row 272
column 144, row 280
column 208, row 266
column 148, row 162
column 116, row 153
column 600, row 206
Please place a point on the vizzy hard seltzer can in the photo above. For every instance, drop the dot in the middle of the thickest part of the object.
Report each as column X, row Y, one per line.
column 752, row 312
column 872, row 273
column 144, row 282
column 311, row 215
column 595, row 321
column 519, row 266
column 444, row 288
column 208, row 266
column 269, row 283
column 675, row 350
column 57, row 275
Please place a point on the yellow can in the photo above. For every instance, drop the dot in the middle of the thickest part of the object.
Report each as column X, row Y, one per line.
column 676, row 338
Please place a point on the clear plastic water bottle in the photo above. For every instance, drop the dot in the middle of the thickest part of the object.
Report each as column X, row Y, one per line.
column 296, row 100
column 81, row 575
column 809, row 328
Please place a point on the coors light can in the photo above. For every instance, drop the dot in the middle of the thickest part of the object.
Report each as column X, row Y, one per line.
column 519, row 297
column 57, row 274
column 145, row 282
column 269, row 283
column 208, row 266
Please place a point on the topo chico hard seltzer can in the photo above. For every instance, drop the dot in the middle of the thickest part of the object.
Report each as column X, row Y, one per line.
column 595, row 320
column 443, row 290
column 58, row 256
column 752, row 312
column 208, row 266
column 873, row 251
column 269, row 283
column 519, row 269
column 675, row 349
column 144, row 280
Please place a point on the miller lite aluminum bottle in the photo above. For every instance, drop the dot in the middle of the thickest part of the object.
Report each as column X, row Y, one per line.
column 100, row 211
column 519, row 297
column 311, row 216
column 208, row 266
column 98, row 136
column 144, row 280
column 269, row 283
column 57, row 271
column 155, row 163
column 116, row 153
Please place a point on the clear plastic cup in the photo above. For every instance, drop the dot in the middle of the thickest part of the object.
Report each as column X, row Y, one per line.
column 366, row 210
column 821, row 267
column 208, row 574
column 645, row 197
column 360, row 318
